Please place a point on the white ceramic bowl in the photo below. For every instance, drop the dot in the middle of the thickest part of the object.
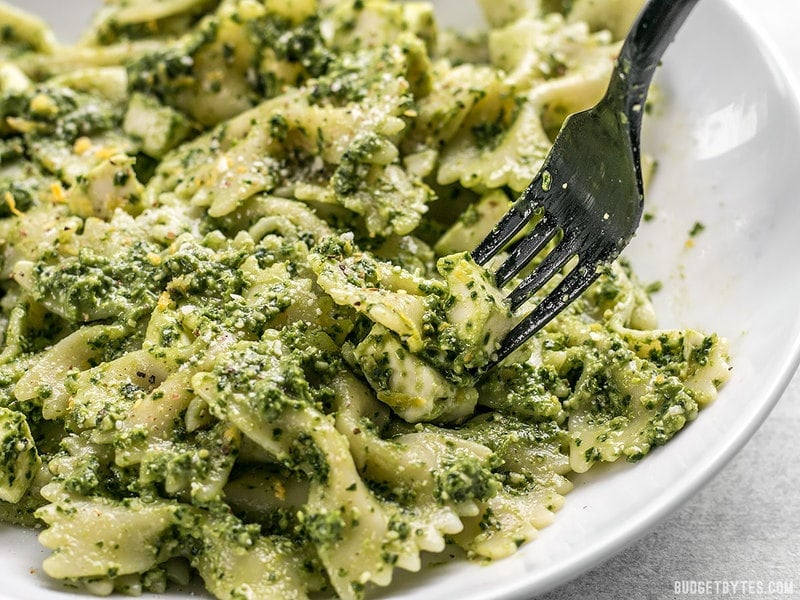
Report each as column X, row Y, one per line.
column 728, row 146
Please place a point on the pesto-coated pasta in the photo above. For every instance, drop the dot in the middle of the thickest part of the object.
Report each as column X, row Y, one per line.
column 242, row 333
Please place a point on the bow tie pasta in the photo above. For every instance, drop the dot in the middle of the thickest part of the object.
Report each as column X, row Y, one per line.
column 242, row 333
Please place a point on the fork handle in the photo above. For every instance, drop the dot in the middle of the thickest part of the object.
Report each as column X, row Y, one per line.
column 651, row 33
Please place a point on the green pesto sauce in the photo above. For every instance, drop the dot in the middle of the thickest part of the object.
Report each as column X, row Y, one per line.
column 267, row 303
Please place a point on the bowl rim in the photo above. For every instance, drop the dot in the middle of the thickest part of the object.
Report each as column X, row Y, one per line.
column 683, row 489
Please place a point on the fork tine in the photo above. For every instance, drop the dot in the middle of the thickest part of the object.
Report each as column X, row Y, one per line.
column 576, row 281
column 510, row 225
column 527, row 248
column 554, row 261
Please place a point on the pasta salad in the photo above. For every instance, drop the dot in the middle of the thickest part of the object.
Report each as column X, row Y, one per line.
column 243, row 334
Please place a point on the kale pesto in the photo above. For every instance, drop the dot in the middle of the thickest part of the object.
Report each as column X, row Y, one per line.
column 243, row 335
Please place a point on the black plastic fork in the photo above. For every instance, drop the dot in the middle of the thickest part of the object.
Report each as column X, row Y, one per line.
column 590, row 186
